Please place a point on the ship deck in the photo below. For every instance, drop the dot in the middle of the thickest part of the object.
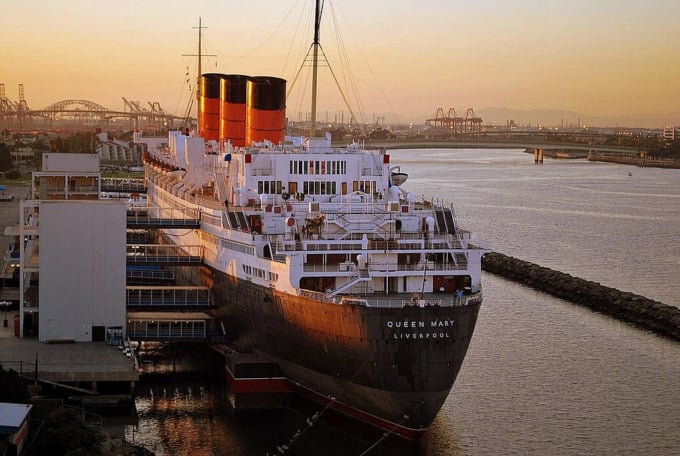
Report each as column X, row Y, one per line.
column 398, row 300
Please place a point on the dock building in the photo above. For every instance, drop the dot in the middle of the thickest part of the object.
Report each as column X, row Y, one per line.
column 71, row 254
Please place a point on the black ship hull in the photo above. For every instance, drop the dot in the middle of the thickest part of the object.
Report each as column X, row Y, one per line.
column 387, row 366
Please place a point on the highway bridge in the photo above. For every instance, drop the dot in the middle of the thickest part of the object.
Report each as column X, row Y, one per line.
column 529, row 144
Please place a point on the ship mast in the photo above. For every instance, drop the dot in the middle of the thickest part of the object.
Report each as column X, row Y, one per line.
column 198, row 81
column 198, row 76
column 315, row 60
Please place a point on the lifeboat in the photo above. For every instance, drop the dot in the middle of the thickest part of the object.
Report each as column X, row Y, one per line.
column 398, row 177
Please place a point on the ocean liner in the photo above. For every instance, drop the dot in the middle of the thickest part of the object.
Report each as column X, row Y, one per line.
column 318, row 257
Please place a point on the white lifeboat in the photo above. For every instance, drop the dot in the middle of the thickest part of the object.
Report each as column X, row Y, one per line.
column 398, row 177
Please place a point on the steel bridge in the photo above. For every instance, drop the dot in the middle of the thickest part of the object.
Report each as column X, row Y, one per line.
column 83, row 113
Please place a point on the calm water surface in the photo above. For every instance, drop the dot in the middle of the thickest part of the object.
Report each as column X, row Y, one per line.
column 542, row 376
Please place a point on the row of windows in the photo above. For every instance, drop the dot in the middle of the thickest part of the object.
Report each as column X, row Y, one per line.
column 261, row 273
column 319, row 188
column 237, row 247
column 318, row 167
column 369, row 187
column 269, row 187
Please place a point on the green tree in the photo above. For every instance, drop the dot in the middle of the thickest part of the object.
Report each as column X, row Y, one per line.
column 5, row 158
column 12, row 388
column 57, row 145
column 64, row 433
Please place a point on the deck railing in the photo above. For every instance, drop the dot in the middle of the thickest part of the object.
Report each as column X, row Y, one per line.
column 175, row 297
column 163, row 253
column 397, row 301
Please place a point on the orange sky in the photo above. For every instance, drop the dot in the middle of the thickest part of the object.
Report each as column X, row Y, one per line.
column 408, row 58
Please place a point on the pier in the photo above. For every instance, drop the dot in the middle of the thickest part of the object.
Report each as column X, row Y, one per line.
column 643, row 312
column 93, row 369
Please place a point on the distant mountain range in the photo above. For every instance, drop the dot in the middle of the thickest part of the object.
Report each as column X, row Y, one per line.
column 557, row 118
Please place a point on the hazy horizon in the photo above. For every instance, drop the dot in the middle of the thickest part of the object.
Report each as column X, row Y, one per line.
column 610, row 60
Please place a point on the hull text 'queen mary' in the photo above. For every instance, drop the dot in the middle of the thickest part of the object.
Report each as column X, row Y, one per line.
column 318, row 258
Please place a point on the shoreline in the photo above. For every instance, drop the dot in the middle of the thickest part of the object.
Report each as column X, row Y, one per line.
column 639, row 162
column 666, row 163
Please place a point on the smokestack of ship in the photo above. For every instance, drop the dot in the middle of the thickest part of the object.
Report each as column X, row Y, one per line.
column 265, row 109
column 210, row 106
column 233, row 109
column 242, row 109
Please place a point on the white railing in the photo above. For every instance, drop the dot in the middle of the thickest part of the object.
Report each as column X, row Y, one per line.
column 379, row 268
column 397, row 301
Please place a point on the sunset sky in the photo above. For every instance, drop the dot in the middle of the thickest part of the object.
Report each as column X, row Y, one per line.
column 407, row 58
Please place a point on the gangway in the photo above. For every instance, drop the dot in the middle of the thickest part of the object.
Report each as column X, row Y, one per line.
column 148, row 274
column 110, row 184
column 168, row 297
column 158, row 217
column 167, row 326
column 164, row 254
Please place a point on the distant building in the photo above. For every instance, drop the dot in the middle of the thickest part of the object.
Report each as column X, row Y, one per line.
column 671, row 133
column 22, row 155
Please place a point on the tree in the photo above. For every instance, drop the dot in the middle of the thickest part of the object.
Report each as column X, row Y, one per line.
column 63, row 434
column 12, row 388
column 5, row 158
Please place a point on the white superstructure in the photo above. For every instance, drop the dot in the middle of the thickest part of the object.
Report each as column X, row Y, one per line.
column 305, row 216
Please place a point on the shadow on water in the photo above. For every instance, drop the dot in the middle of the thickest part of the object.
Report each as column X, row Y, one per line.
column 188, row 412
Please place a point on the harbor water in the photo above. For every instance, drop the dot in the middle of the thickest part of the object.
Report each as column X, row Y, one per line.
column 542, row 376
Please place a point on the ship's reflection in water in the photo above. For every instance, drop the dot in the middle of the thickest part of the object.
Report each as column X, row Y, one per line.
column 193, row 417
column 183, row 409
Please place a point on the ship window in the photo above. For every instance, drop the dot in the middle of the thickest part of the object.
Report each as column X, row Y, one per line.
column 305, row 187
column 305, row 166
column 323, row 167
column 269, row 187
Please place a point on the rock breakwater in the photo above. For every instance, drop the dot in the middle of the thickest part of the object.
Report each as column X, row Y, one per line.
column 643, row 312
